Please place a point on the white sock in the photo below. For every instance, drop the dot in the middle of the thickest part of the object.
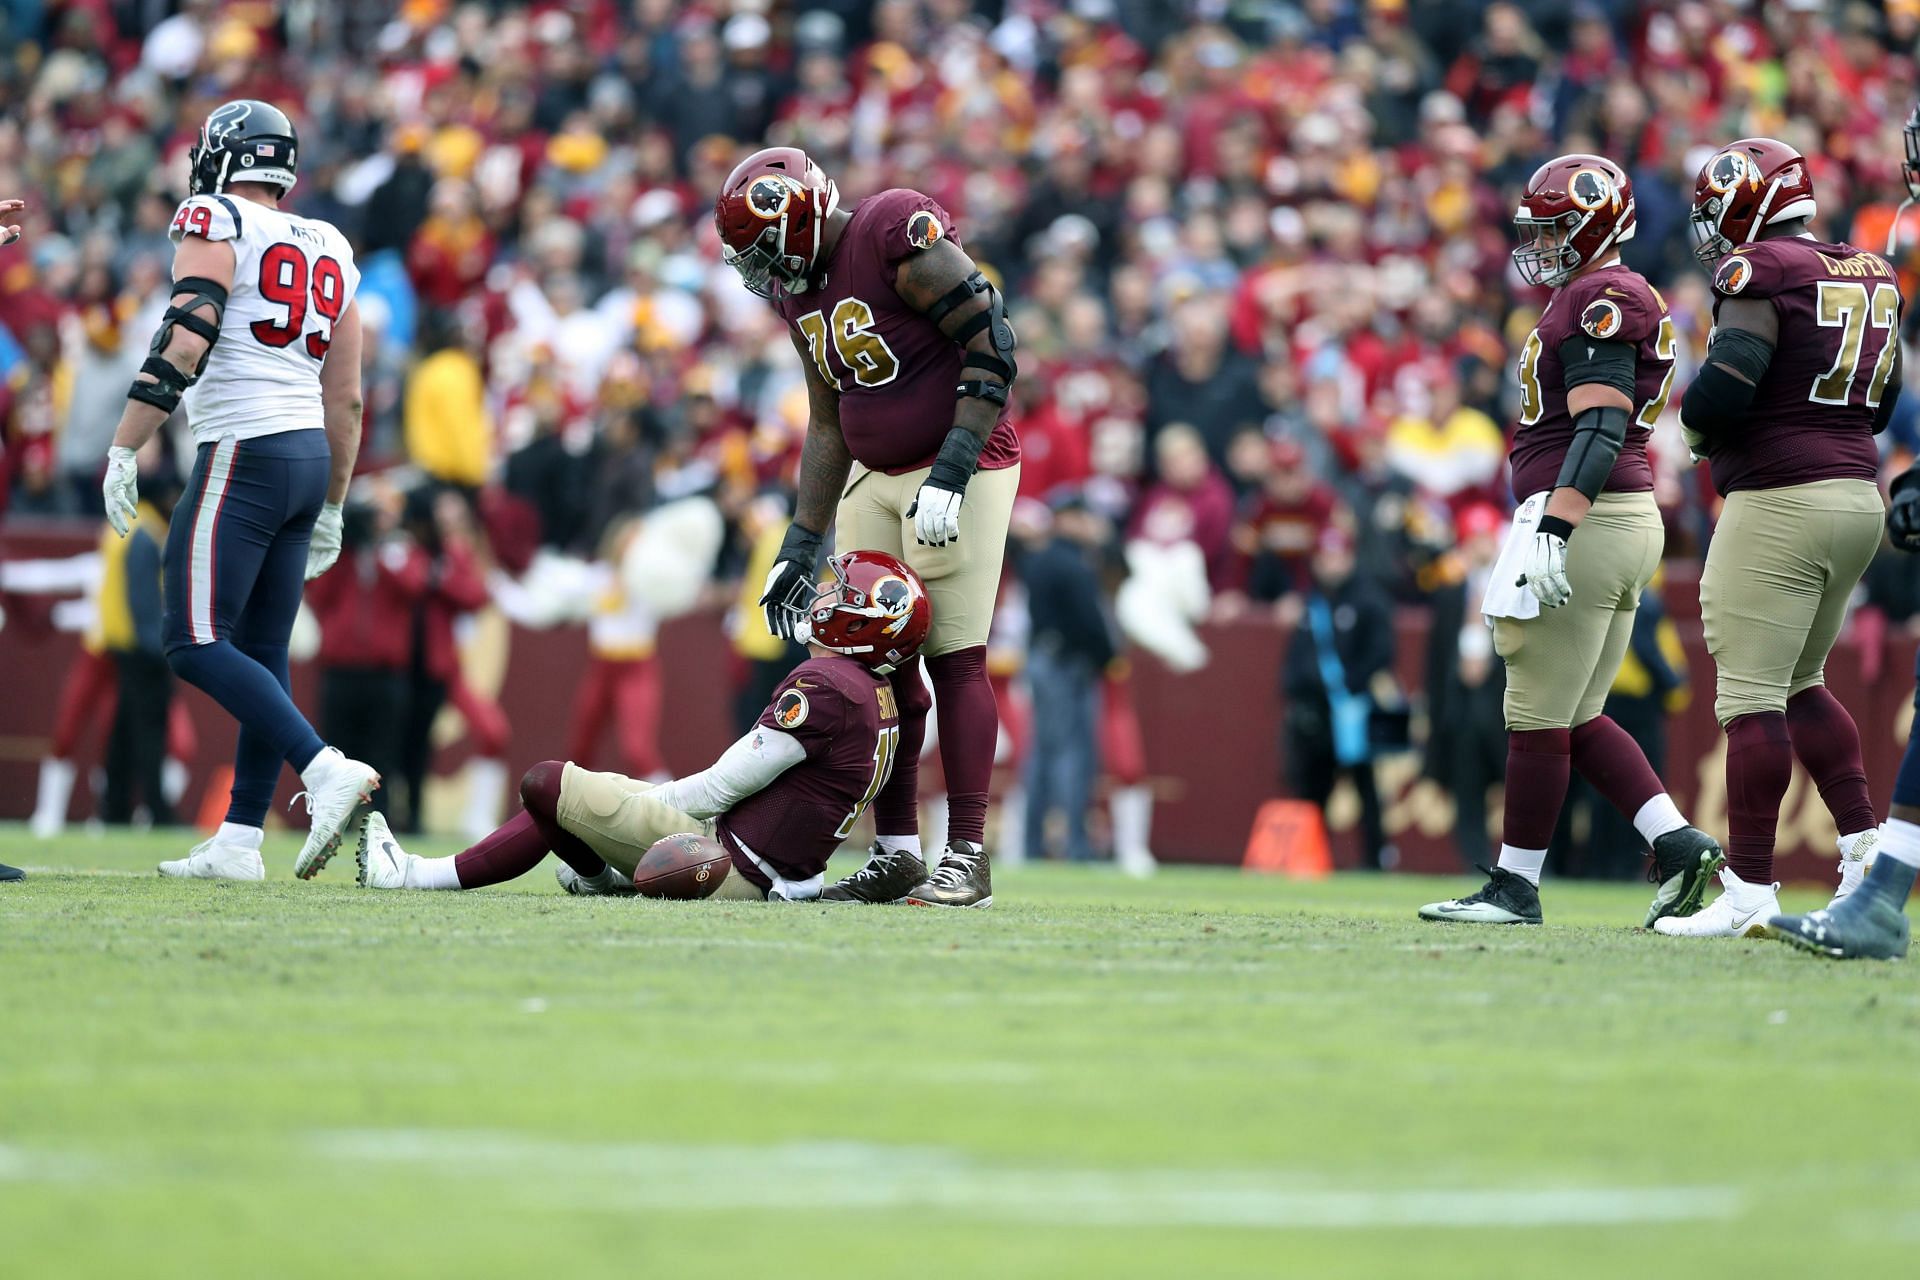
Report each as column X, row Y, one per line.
column 899, row 844
column 235, row 833
column 1900, row 840
column 432, row 873
column 1657, row 817
column 1525, row 863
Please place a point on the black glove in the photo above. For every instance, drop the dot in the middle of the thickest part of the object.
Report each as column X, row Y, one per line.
column 1903, row 517
column 791, row 584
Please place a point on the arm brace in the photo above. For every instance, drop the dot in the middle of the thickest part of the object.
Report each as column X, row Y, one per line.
column 746, row 767
column 1587, row 360
column 1716, row 399
column 993, row 319
column 1597, row 437
column 163, row 393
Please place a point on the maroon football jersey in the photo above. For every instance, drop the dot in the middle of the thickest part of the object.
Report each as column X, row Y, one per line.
column 895, row 370
column 1812, row 414
column 846, row 718
column 1617, row 305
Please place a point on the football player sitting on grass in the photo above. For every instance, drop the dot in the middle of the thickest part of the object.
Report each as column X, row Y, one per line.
column 780, row 800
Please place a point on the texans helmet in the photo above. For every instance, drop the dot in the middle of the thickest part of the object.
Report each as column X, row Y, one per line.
column 875, row 610
column 245, row 141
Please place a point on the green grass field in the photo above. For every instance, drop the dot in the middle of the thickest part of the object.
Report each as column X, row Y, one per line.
column 1205, row 1075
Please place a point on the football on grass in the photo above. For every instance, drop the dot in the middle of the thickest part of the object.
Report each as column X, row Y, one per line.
column 682, row 867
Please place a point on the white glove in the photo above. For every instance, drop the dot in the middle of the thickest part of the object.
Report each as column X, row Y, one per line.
column 1546, row 574
column 1696, row 444
column 324, row 547
column 121, row 488
column 936, row 516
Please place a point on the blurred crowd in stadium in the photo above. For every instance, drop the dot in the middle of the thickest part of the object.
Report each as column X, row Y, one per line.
column 1257, row 254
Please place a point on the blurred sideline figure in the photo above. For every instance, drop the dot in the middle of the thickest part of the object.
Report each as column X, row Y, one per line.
column 8, row 234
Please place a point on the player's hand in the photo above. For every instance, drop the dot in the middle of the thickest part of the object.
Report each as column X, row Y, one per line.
column 791, row 585
column 1903, row 516
column 324, row 547
column 121, row 488
column 936, row 514
column 9, row 232
column 1546, row 574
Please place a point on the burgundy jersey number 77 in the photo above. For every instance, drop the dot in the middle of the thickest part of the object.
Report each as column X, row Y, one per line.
column 286, row 279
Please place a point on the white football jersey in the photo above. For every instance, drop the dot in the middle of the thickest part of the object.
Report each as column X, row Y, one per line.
column 292, row 278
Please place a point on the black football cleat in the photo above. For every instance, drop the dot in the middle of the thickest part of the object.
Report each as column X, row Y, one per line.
column 890, row 874
column 1506, row 899
column 1861, row 926
column 964, row 878
column 1684, row 862
column 9, row 874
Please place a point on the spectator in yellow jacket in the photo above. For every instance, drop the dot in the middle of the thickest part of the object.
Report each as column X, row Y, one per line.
column 448, row 433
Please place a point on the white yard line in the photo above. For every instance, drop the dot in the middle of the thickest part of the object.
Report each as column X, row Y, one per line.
column 845, row 1176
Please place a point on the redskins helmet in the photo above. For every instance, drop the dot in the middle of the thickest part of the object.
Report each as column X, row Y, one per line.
column 875, row 610
column 244, row 141
column 772, row 215
column 1586, row 201
column 1748, row 185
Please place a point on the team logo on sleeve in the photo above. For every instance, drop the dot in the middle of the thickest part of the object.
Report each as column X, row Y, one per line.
column 924, row 229
column 1601, row 319
column 790, row 709
column 770, row 195
column 1732, row 274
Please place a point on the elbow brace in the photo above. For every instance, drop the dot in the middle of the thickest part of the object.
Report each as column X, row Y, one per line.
column 169, row 383
column 1717, row 397
column 1598, row 435
column 999, row 330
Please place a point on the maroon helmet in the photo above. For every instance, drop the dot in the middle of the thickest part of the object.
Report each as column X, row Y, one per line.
column 1749, row 184
column 772, row 215
column 875, row 611
column 1585, row 203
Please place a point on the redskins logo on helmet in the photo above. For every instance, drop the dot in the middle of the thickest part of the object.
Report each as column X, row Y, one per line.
column 1591, row 189
column 1731, row 168
column 924, row 229
column 893, row 597
column 770, row 195
column 790, row 712
column 1601, row 319
column 1733, row 274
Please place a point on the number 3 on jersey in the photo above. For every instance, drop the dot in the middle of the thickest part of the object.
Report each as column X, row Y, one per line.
column 285, row 279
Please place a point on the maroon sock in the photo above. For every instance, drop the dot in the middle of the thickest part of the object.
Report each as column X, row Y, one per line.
column 1538, row 766
column 896, row 810
column 507, row 854
column 540, row 794
column 1827, row 742
column 1611, row 761
column 1759, row 766
column 969, row 727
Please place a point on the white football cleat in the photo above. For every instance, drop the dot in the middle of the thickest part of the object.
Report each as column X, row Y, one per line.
column 339, row 793
column 383, row 863
column 1856, row 859
column 213, row 859
column 610, row 885
column 1741, row 911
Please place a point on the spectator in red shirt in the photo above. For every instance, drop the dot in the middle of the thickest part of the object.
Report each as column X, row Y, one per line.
column 1282, row 525
column 1190, row 501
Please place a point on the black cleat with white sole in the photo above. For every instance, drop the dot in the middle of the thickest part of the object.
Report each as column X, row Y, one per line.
column 1507, row 899
column 1862, row 926
column 1684, row 863
column 889, row 876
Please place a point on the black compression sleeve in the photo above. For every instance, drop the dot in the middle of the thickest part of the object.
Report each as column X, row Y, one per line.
column 1715, row 400
column 1883, row 412
column 1598, row 435
column 1587, row 360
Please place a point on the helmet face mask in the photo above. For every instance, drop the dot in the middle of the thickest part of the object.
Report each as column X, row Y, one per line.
column 1544, row 258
